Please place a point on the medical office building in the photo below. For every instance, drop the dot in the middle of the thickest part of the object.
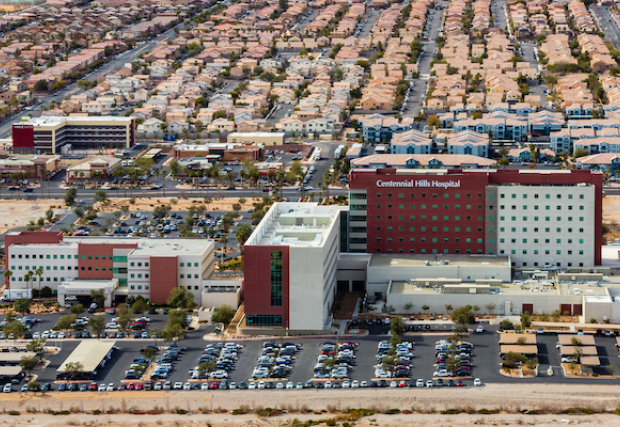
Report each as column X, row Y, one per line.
column 538, row 218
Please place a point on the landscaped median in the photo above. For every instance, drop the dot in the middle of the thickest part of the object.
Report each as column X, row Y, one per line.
column 519, row 354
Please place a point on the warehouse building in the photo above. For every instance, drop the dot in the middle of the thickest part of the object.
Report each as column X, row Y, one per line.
column 57, row 134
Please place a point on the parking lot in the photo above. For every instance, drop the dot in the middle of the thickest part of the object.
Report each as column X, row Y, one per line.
column 485, row 357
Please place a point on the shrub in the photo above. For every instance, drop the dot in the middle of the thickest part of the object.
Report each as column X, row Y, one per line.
column 238, row 411
column 488, row 411
column 451, row 411
column 96, row 412
column 617, row 411
column 330, row 422
column 181, row 411
column 13, row 412
column 393, row 411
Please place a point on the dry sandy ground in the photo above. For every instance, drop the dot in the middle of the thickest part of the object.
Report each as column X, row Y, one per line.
column 227, row 420
column 508, row 398
column 611, row 209
column 18, row 213
column 150, row 203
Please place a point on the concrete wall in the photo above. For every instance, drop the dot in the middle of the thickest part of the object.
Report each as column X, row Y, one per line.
column 543, row 303
column 467, row 273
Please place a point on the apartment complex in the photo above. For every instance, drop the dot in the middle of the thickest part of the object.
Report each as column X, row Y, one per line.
column 539, row 218
column 290, row 267
column 147, row 267
column 58, row 134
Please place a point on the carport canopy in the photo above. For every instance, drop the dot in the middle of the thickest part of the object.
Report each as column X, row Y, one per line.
column 89, row 354
column 567, row 339
column 588, row 350
column 510, row 338
column 10, row 371
column 528, row 350
column 590, row 361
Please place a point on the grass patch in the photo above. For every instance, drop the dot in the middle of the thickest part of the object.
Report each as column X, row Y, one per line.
column 486, row 411
column 269, row 412
column 14, row 413
column 451, row 411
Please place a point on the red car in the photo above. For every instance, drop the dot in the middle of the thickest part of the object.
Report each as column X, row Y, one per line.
column 460, row 383
column 214, row 386
column 131, row 386
column 402, row 383
column 92, row 387
column 122, row 386
column 139, row 386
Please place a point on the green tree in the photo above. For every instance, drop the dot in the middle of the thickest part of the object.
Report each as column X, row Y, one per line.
column 40, row 86
column 173, row 332
column 14, row 329
column 22, row 305
column 149, row 353
column 36, row 345
column 581, row 152
column 124, row 317
column 77, row 309
column 224, row 315
column 34, row 386
column 396, row 326
column 97, row 324
column 29, row 363
column 526, row 320
column 98, row 296
column 463, row 315
column 66, row 321
column 70, row 196
column 181, row 297
column 72, row 368
column 100, row 196
column 490, row 307
column 206, row 368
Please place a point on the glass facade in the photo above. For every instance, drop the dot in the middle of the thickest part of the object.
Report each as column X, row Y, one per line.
column 263, row 320
column 120, row 259
column 276, row 279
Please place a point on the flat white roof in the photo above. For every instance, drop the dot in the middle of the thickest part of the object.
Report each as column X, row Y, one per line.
column 296, row 224
column 89, row 354
column 55, row 120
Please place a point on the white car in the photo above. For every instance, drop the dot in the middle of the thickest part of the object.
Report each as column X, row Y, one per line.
column 279, row 386
column 232, row 385
column 101, row 387
column 111, row 325
column 260, row 373
column 178, row 385
column 290, row 385
column 110, row 387
column 261, row 385
column 61, row 335
column 364, row 384
column 252, row 386
column 187, row 386
column 441, row 373
column 419, row 383
column 328, row 384
column 204, row 387
column 479, row 329
column 8, row 387
column 569, row 359
column 355, row 384
column 429, row 384
column 393, row 384
column 477, row 382
column 346, row 384
column 36, row 335
column 219, row 374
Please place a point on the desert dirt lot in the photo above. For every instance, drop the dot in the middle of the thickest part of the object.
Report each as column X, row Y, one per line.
column 423, row 406
column 18, row 213
column 177, row 204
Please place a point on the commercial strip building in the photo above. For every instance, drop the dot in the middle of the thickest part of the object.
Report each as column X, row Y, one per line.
column 121, row 266
column 94, row 167
column 56, row 134
column 29, row 166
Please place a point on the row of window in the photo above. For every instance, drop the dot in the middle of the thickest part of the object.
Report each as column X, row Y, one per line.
column 133, row 287
column 434, row 195
column 536, row 252
column 547, row 196
column 132, row 275
column 547, row 207
column 535, row 229
column 445, row 229
column 434, row 240
column 412, row 217
column 436, row 251
column 432, row 207
column 569, row 241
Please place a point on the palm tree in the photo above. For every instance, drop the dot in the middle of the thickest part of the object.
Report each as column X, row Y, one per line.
column 7, row 277
column 280, row 179
column 39, row 272
column 28, row 277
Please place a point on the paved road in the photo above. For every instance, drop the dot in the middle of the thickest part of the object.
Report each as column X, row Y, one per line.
column 499, row 14
column 535, row 88
column 608, row 23
column 418, row 92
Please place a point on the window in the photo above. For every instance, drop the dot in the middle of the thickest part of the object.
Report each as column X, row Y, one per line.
column 195, row 264
column 132, row 264
column 182, row 264
column 263, row 320
column 276, row 279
